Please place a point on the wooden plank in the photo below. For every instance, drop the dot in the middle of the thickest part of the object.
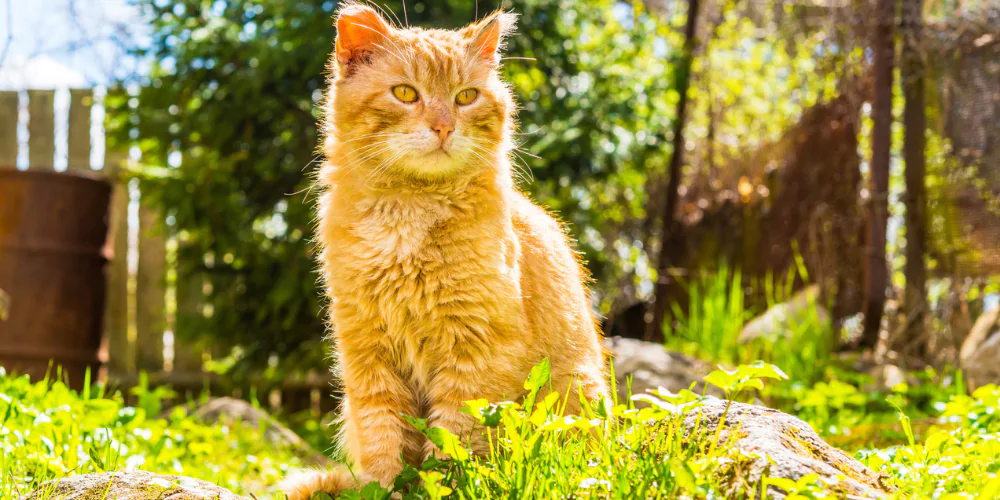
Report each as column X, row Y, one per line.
column 41, row 129
column 80, row 101
column 121, row 355
column 8, row 129
column 150, row 293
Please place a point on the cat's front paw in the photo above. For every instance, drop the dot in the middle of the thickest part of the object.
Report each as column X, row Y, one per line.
column 304, row 484
column 431, row 450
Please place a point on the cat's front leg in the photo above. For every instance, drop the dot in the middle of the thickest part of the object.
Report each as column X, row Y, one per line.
column 448, row 395
column 374, row 433
column 463, row 375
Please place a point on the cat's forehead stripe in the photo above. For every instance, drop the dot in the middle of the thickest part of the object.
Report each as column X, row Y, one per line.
column 436, row 57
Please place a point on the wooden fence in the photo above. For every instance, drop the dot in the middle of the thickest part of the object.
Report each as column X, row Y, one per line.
column 145, row 294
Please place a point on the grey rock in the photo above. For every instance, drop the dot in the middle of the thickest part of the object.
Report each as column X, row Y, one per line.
column 886, row 376
column 986, row 326
column 230, row 411
column 983, row 365
column 980, row 353
column 779, row 321
column 780, row 445
column 650, row 366
column 137, row 485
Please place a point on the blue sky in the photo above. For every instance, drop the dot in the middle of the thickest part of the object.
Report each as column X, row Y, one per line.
column 66, row 43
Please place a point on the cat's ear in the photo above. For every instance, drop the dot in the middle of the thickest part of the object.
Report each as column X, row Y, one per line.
column 359, row 30
column 489, row 34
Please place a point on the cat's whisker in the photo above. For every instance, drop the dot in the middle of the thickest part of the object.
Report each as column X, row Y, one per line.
column 479, row 157
column 363, row 154
column 370, row 136
column 391, row 53
column 523, row 169
column 380, row 139
column 394, row 42
column 484, row 153
column 519, row 150
column 305, row 190
column 366, row 151
column 383, row 167
column 370, row 150
column 385, row 9
column 316, row 158
column 358, row 161
column 377, row 177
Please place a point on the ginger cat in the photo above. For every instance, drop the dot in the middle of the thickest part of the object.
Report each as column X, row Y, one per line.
column 446, row 283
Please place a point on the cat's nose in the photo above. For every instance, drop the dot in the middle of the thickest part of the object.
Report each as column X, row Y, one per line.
column 443, row 129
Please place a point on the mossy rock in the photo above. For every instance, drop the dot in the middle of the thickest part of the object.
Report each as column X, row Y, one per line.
column 778, row 445
column 137, row 485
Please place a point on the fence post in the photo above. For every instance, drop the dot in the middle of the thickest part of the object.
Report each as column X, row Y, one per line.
column 150, row 293
column 8, row 129
column 120, row 355
column 41, row 129
column 80, row 101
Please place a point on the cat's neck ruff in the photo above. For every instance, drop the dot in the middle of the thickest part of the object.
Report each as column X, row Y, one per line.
column 456, row 185
column 396, row 222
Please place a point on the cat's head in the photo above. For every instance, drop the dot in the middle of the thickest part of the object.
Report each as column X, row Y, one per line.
column 418, row 104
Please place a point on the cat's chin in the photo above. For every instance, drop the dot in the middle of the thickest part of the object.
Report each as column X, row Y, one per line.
column 436, row 165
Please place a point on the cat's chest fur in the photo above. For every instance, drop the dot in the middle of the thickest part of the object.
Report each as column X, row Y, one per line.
column 416, row 256
column 398, row 229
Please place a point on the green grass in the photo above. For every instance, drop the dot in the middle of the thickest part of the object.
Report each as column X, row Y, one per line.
column 48, row 431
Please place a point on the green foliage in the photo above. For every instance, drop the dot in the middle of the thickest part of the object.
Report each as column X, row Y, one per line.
column 744, row 377
column 958, row 460
column 48, row 431
column 717, row 312
column 534, row 449
column 711, row 325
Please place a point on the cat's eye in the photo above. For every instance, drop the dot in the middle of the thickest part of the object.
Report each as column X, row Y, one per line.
column 466, row 97
column 405, row 93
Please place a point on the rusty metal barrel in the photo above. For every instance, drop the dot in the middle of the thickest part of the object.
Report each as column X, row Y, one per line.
column 52, row 232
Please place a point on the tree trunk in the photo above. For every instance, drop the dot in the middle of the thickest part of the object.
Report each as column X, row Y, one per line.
column 914, row 145
column 877, row 272
column 654, row 328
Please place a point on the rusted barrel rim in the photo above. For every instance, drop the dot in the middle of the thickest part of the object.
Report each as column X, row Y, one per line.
column 83, row 252
column 59, row 353
column 52, row 175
